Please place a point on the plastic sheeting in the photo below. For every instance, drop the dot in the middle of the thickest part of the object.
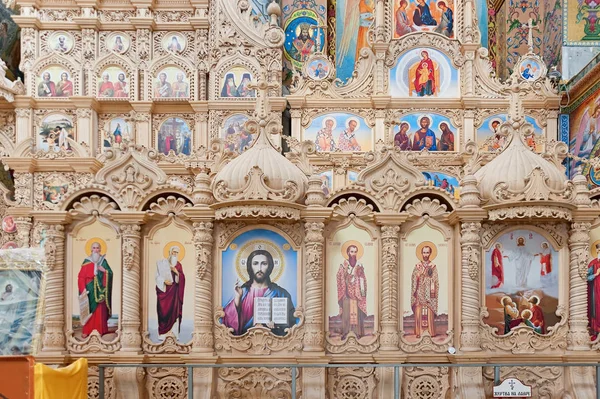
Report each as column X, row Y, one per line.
column 65, row 383
column 21, row 289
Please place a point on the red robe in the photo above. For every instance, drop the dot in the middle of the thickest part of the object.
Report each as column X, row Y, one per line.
column 431, row 68
column 99, row 319
column 537, row 318
column 169, row 304
column 546, row 263
column 594, row 297
column 497, row 267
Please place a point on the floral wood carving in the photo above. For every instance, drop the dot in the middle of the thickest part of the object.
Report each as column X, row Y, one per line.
column 93, row 344
column 258, row 340
column 390, row 176
column 169, row 346
column 536, row 189
column 257, row 188
column 522, row 339
column 350, row 345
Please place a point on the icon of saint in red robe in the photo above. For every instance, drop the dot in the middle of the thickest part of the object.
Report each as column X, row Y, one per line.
column 545, row 259
column 170, row 288
column 96, row 277
column 537, row 315
column 497, row 266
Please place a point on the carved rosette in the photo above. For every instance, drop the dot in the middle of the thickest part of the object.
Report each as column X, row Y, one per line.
column 203, row 340
column 578, row 338
column 54, row 307
column 470, row 242
column 389, row 288
column 313, row 249
column 131, row 338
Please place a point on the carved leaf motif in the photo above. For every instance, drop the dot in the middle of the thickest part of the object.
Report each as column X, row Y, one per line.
column 427, row 206
column 93, row 205
column 352, row 206
column 168, row 206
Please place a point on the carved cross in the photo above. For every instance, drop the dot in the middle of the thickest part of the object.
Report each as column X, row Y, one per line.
column 529, row 25
column 318, row 36
column 262, row 86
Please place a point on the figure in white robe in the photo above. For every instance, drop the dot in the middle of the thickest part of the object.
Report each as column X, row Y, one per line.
column 522, row 260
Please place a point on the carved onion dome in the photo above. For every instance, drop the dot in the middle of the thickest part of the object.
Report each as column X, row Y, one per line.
column 260, row 173
column 518, row 173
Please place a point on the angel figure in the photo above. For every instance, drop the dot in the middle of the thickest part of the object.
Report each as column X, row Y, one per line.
column 588, row 131
column 357, row 20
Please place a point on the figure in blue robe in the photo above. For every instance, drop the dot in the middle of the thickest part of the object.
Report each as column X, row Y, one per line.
column 422, row 15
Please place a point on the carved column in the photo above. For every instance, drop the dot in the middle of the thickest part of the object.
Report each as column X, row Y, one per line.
column 54, row 307
column 313, row 249
column 389, row 288
column 578, row 338
column 131, row 340
column 470, row 243
column 24, row 226
column 203, row 341
column 23, row 124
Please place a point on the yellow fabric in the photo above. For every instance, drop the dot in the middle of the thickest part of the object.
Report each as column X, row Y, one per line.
column 65, row 383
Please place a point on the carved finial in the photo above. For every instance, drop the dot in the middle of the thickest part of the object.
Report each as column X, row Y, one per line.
column 469, row 192
column 314, row 195
column 274, row 11
column 531, row 27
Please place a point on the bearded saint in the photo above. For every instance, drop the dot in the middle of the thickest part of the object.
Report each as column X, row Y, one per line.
column 96, row 277
column 170, row 287
column 239, row 311
column 352, row 294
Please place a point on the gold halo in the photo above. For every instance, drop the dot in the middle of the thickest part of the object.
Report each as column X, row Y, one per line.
column 253, row 245
column 498, row 243
column 503, row 299
column 534, row 296
column 526, row 311
column 593, row 249
column 434, row 250
column 174, row 244
column 358, row 245
column 88, row 245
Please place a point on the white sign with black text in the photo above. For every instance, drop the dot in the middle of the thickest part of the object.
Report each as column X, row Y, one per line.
column 512, row 388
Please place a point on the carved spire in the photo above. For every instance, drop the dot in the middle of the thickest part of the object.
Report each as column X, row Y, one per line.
column 530, row 27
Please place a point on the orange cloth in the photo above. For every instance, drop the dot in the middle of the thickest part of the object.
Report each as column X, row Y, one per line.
column 64, row 383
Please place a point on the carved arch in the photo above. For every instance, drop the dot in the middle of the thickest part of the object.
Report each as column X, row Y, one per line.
column 87, row 194
column 432, row 193
column 116, row 60
column 164, row 194
column 224, row 65
column 52, row 59
column 171, row 60
column 356, row 192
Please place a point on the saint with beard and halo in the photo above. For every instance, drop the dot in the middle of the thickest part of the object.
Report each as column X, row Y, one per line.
column 95, row 277
column 352, row 292
column 170, row 287
column 239, row 311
